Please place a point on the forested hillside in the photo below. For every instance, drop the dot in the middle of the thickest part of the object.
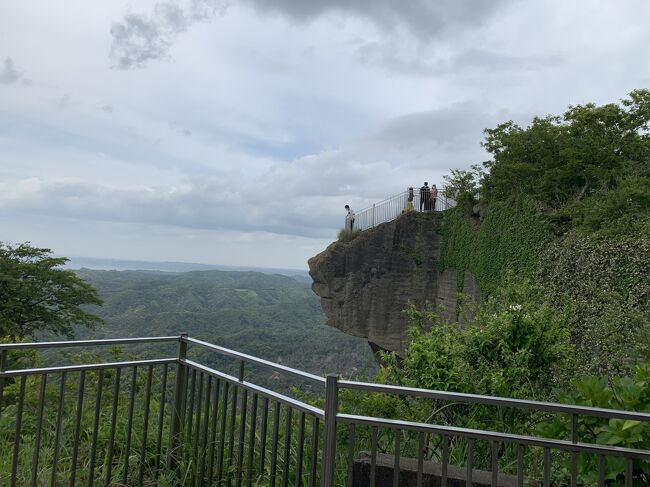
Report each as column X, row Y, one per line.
column 271, row 316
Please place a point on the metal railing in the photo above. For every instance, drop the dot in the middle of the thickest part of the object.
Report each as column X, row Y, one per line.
column 177, row 421
column 398, row 204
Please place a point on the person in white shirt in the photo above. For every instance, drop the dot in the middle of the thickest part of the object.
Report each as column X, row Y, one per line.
column 349, row 218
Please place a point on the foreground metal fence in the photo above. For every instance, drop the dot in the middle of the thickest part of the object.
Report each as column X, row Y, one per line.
column 177, row 421
column 394, row 206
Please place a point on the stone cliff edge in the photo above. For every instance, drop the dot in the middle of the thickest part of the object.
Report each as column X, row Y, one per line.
column 365, row 284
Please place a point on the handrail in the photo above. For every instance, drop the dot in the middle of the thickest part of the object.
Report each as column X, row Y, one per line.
column 86, row 343
column 192, row 417
column 342, row 384
column 493, row 435
column 255, row 360
column 276, row 396
column 385, row 200
column 392, row 207
column 495, row 400
column 77, row 368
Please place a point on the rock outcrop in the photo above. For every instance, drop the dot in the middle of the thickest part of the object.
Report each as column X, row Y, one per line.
column 365, row 284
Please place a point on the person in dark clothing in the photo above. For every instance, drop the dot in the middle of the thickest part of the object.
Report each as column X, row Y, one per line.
column 425, row 194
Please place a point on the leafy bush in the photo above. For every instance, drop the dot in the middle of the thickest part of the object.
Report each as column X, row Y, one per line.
column 508, row 349
column 626, row 393
column 515, row 350
column 623, row 209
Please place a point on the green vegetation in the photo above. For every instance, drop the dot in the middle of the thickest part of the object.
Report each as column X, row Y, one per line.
column 132, row 439
column 508, row 239
column 517, row 346
column 508, row 349
column 566, row 202
column 272, row 316
column 602, row 285
column 347, row 235
column 36, row 295
column 555, row 228
column 265, row 315
column 626, row 393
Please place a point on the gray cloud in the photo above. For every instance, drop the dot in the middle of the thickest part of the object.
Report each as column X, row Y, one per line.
column 180, row 130
column 210, row 204
column 107, row 109
column 386, row 55
column 64, row 102
column 139, row 39
column 447, row 126
column 8, row 73
column 434, row 140
column 425, row 18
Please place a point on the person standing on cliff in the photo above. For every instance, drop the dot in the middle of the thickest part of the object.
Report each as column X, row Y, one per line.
column 425, row 194
column 409, row 201
column 349, row 218
column 434, row 196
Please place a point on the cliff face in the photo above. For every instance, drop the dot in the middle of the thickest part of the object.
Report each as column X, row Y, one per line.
column 365, row 284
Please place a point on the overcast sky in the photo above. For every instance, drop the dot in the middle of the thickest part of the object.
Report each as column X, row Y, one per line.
column 234, row 132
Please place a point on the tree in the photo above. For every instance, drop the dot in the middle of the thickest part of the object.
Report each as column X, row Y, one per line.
column 587, row 152
column 36, row 294
column 463, row 185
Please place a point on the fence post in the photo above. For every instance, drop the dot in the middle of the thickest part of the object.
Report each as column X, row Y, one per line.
column 3, row 367
column 329, row 447
column 373, row 214
column 242, row 369
column 178, row 410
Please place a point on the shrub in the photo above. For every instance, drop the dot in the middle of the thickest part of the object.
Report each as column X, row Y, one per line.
column 347, row 235
column 626, row 393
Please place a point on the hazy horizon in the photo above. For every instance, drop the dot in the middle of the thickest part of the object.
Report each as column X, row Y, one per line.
column 104, row 263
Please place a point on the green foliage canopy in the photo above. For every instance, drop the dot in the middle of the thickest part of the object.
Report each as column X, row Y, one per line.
column 588, row 150
column 37, row 295
column 261, row 314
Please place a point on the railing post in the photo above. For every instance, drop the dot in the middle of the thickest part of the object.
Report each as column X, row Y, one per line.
column 373, row 214
column 178, row 410
column 3, row 367
column 242, row 369
column 329, row 447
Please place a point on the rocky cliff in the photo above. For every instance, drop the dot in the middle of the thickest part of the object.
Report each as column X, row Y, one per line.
column 365, row 284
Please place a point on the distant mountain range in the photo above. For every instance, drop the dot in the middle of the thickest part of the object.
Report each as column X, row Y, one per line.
column 144, row 265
